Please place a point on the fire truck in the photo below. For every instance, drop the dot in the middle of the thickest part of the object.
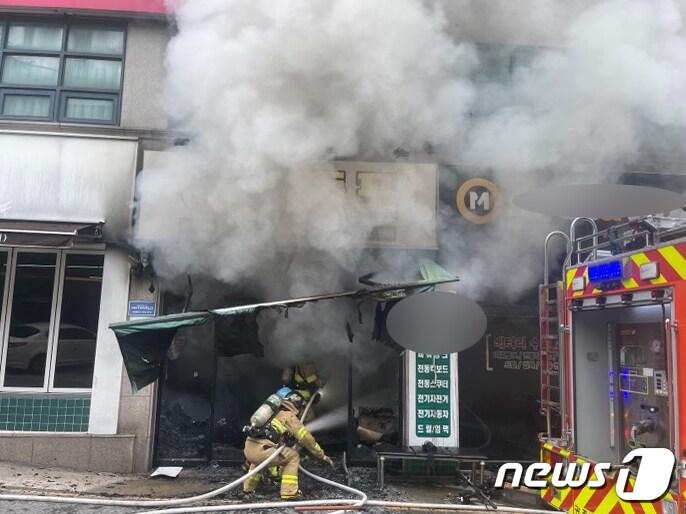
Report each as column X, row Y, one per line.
column 612, row 342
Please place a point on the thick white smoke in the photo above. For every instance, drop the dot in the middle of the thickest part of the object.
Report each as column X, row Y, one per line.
column 583, row 108
column 270, row 92
column 602, row 85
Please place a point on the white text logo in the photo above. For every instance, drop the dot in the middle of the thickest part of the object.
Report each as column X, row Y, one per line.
column 652, row 478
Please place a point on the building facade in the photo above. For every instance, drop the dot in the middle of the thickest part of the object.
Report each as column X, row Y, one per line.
column 79, row 108
column 80, row 117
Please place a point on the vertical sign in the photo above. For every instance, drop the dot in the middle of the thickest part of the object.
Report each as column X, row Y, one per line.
column 432, row 403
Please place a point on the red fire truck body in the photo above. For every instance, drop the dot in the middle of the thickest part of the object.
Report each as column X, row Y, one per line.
column 613, row 339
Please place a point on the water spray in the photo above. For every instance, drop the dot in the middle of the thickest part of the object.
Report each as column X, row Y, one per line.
column 332, row 419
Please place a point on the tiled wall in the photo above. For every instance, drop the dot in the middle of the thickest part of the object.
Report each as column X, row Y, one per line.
column 44, row 413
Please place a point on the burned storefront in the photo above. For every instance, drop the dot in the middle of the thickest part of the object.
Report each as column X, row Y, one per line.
column 209, row 390
column 215, row 367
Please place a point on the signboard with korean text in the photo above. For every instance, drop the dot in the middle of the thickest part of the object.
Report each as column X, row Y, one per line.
column 512, row 352
column 432, row 402
column 387, row 188
column 142, row 309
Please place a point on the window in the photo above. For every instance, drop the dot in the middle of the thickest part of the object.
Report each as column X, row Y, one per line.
column 78, row 321
column 60, row 72
column 51, row 308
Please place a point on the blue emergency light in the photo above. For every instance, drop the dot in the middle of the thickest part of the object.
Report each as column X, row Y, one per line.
column 606, row 271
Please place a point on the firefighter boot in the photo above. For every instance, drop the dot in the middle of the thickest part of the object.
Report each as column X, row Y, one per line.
column 250, row 485
column 272, row 475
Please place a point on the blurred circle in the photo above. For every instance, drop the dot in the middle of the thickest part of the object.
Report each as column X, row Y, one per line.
column 599, row 200
column 436, row 322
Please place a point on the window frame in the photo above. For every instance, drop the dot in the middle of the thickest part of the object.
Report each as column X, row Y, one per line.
column 4, row 300
column 60, row 92
column 8, row 318
column 66, row 95
column 55, row 317
column 23, row 92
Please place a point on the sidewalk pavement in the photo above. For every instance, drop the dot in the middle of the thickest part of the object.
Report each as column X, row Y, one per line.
column 19, row 479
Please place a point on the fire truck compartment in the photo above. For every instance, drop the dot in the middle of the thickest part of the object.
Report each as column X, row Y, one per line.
column 621, row 387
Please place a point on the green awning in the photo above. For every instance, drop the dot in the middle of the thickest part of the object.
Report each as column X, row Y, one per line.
column 171, row 321
column 433, row 272
column 144, row 343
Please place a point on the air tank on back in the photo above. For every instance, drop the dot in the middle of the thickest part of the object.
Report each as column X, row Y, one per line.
column 266, row 411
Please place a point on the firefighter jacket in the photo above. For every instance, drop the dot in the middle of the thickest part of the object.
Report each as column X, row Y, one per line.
column 288, row 426
column 305, row 380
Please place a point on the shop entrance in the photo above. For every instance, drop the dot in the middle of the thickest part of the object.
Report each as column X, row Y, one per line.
column 217, row 374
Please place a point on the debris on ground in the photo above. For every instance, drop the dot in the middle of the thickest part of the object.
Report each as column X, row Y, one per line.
column 193, row 481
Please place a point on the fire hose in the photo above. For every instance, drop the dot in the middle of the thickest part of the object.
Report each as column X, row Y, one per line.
column 156, row 503
column 336, row 506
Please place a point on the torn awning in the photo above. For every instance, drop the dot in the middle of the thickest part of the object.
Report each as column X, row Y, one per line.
column 144, row 342
column 51, row 234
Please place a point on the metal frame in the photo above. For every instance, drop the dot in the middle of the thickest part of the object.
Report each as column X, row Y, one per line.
column 50, row 95
column 60, row 93
column 8, row 321
column 68, row 95
column 563, row 347
column 58, row 322
column 604, row 239
column 382, row 457
column 573, row 238
column 672, row 343
column 4, row 300
column 54, row 323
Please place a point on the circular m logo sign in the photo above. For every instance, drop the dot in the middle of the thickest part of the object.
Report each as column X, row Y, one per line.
column 477, row 200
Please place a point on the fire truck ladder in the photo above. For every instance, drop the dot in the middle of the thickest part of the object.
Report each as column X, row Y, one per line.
column 551, row 342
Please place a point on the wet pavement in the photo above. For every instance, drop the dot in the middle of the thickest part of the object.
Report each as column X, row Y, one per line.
column 47, row 508
column 192, row 481
column 17, row 480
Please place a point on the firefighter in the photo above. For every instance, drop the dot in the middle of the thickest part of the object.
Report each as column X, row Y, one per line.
column 284, row 428
column 304, row 379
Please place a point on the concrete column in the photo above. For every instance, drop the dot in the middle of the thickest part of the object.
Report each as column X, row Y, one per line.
column 107, row 378
column 137, row 411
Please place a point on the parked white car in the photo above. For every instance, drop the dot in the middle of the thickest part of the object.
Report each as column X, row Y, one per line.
column 29, row 341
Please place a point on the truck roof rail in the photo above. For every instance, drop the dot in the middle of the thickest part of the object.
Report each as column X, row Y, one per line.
column 627, row 236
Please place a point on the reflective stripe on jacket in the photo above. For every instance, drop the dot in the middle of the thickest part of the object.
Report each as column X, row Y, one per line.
column 286, row 422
